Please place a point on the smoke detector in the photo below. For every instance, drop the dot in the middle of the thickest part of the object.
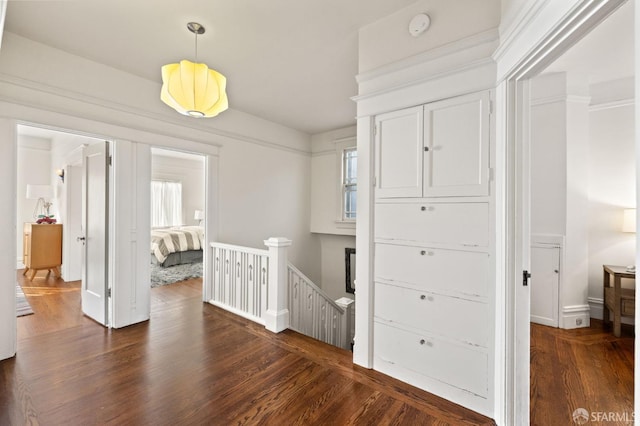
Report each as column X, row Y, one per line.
column 419, row 24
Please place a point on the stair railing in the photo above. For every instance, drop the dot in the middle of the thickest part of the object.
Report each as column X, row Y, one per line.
column 261, row 285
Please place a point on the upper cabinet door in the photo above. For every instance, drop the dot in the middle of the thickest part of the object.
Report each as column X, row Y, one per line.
column 398, row 153
column 456, row 141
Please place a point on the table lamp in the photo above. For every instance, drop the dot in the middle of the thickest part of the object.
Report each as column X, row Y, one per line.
column 42, row 193
column 199, row 215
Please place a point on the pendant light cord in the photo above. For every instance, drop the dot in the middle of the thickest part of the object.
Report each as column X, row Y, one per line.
column 196, row 47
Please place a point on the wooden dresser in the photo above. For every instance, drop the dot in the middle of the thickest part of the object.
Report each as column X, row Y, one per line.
column 42, row 248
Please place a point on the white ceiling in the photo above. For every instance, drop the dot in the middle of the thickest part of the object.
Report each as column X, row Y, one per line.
column 290, row 61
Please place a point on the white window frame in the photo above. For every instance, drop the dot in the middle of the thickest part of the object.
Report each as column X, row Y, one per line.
column 345, row 186
column 343, row 145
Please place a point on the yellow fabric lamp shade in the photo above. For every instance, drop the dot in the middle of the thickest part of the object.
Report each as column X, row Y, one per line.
column 193, row 89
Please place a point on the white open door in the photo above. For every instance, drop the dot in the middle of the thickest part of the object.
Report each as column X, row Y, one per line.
column 95, row 193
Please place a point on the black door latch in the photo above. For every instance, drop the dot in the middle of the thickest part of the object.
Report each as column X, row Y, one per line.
column 525, row 278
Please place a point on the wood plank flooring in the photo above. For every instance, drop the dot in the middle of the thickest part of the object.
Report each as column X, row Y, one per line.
column 192, row 363
column 196, row 364
column 586, row 368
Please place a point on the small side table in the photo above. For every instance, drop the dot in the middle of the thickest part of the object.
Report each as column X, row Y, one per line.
column 620, row 301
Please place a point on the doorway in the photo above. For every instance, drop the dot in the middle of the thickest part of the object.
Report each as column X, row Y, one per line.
column 574, row 26
column 582, row 179
column 50, row 239
column 177, row 216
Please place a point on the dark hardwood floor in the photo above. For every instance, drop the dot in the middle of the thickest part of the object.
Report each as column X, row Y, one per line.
column 196, row 364
column 192, row 363
column 586, row 368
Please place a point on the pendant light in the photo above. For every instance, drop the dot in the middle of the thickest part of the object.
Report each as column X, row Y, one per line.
column 193, row 89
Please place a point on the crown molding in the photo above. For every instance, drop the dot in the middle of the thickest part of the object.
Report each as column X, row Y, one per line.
column 324, row 153
column 521, row 21
column 561, row 98
column 456, row 68
column 449, row 49
column 81, row 100
column 345, row 139
column 444, row 73
column 600, row 106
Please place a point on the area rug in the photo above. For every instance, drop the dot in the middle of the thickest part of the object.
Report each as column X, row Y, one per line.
column 22, row 305
column 163, row 276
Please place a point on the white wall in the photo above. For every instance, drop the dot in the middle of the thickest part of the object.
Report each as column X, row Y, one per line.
column 548, row 171
column 326, row 208
column 326, row 172
column 388, row 40
column 560, row 181
column 263, row 174
column 187, row 171
column 612, row 188
column 332, row 259
column 579, row 189
column 266, row 193
column 34, row 160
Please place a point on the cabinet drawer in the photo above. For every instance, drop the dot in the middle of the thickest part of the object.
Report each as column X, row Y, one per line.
column 442, row 223
column 463, row 367
column 455, row 271
column 455, row 318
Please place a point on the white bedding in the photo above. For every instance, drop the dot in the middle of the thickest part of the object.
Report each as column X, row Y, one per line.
column 177, row 239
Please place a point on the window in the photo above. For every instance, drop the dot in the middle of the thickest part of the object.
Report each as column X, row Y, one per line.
column 349, row 183
column 166, row 203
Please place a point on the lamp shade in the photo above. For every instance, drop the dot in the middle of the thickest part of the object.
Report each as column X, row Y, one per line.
column 35, row 192
column 198, row 215
column 193, row 89
column 629, row 220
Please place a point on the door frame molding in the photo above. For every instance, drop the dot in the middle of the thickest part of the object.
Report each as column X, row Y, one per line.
column 513, row 332
column 12, row 115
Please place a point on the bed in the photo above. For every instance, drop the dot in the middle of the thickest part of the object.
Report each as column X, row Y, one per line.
column 177, row 246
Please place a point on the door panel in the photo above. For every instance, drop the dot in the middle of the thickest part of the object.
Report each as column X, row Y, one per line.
column 95, row 191
column 456, row 155
column 73, row 255
column 545, row 269
column 398, row 154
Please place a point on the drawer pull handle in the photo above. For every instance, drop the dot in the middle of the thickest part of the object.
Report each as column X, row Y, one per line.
column 424, row 253
column 426, row 209
column 422, row 341
column 422, row 297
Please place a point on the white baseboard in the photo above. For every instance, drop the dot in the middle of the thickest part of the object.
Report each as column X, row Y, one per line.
column 19, row 264
column 544, row 321
column 575, row 316
column 596, row 306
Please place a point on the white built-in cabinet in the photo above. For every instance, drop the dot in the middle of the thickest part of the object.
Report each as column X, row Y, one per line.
column 440, row 149
column 432, row 248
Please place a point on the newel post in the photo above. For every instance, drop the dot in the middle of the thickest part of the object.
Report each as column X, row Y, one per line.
column 276, row 318
column 346, row 324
